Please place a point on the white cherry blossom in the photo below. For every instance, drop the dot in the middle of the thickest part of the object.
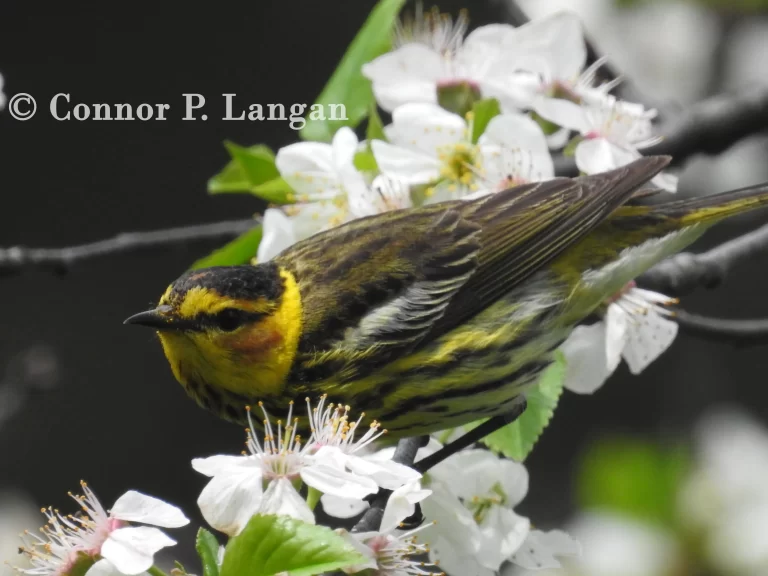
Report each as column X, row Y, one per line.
column 102, row 535
column 635, row 327
column 334, row 437
column 262, row 480
column 613, row 132
column 431, row 52
column 431, row 146
column 329, row 191
column 474, row 493
column 389, row 550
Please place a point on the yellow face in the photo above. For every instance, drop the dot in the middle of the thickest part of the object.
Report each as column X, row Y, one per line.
column 244, row 343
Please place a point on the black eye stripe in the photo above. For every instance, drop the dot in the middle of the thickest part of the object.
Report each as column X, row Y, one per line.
column 228, row 319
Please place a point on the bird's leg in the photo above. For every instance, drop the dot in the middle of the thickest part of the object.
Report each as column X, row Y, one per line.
column 470, row 437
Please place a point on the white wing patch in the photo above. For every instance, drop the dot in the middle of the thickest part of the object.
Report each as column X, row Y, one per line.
column 409, row 315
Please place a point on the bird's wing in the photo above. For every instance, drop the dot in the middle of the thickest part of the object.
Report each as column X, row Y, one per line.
column 376, row 288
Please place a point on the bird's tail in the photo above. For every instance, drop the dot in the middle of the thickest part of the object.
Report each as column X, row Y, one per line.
column 713, row 208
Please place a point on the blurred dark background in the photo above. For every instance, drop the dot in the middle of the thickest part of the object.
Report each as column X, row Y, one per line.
column 114, row 416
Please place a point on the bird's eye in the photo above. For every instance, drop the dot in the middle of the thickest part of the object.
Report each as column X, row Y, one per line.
column 229, row 319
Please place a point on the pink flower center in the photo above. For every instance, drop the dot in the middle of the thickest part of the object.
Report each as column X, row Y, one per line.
column 378, row 543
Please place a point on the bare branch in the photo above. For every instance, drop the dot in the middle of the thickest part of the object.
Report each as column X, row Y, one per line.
column 684, row 272
column 752, row 332
column 15, row 259
column 709, row 127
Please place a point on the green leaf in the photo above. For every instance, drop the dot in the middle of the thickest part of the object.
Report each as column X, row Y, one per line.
column 516, row 440
column 365, row 162
column 208, row 549
column 271, row 544
column 256, row 162
column 375, row 130
column 249, row 167
column 482, row 112
column 547, row 127
column 275, row 191
column 239, row 251
column 633, row 477
column 347, row 85
column 230, row 179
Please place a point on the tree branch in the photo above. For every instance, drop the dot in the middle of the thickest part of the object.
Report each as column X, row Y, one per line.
column 684, row 272
column 750, row 332
column 710, row 127
column 15, row 259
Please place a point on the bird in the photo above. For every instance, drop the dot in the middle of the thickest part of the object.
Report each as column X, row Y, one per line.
column 430, row 317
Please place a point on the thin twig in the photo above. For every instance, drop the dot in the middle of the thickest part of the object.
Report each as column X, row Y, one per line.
column 709, row 127
column 684, row 272
column 476, row 434
column 15, row 259
column 751, row 332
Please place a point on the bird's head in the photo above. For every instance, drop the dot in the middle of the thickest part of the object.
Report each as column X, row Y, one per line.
column 230, row 327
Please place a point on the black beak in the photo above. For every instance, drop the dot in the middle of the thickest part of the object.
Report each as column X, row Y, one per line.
column 159, row 318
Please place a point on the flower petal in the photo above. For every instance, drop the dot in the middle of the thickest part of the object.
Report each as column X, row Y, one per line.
column 330, row 480
column 230, row 499
column 666, row 181
column 595, row 155
column 563, row 113
column 453, row 520
column 408, row 74
column 134, row 506
column 281, row 498
column 309, row 169
column 541, row 549
column 387, row 474
column 648, row 337
column 503, row 533
column 402, row 504
column 277, row 234
column 343, row 507
column 219, row 463
column 344, row 146
column 427, row 128
column 454, row 560
column 523, row 137
column 558, row 42
column 410, row 166
column 309, row 219
column 132, row 550
column 616, row 334
column 586, row 365
column 103, row 567
column 357, row 541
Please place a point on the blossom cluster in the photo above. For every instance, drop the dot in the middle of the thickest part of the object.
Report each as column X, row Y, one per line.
column 468, row 501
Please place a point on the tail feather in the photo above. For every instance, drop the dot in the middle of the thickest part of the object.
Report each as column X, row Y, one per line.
column 715, row 207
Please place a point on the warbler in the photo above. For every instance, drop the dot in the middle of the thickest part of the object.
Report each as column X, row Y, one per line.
column 430, row 317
